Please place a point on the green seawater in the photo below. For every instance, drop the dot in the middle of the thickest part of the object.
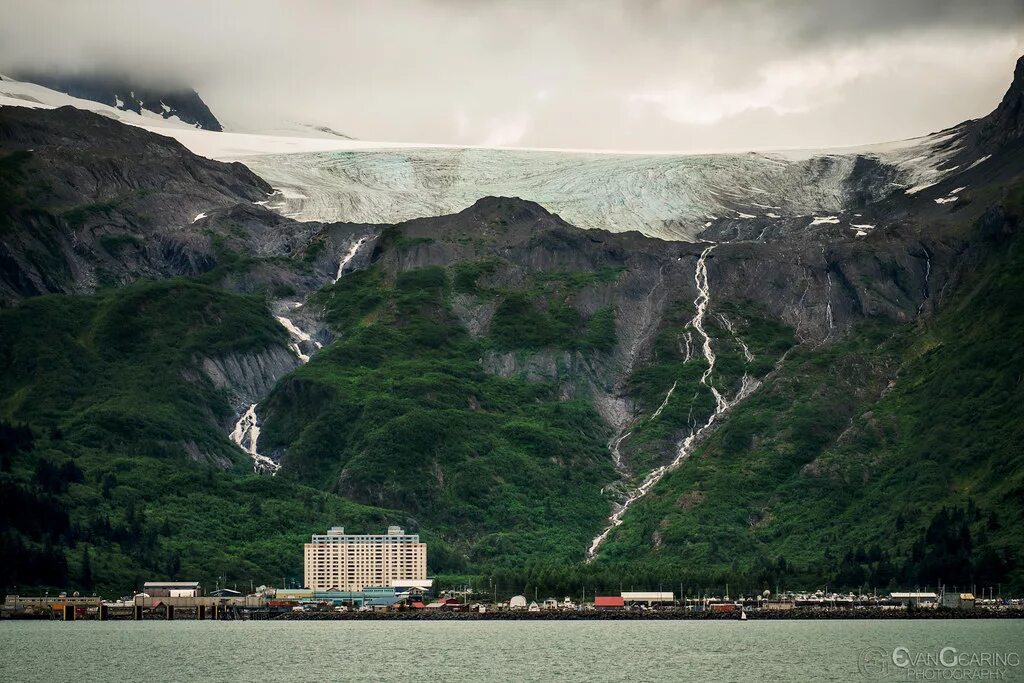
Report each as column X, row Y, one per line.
column 511, row 651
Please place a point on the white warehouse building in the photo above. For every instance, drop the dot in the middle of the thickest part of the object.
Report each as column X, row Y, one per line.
column 648, row 597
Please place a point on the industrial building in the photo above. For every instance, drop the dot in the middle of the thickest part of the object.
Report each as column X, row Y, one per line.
column 172, row 589
column 958, row 600
column 337, row 561
column 648, row 598
column 915, row 599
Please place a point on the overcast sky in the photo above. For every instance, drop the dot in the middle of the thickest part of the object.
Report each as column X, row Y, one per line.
column 633, row 75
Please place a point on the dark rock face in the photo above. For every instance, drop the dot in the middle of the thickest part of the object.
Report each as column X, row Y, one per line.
column 88, row 202
column 129, row 95
column 116, row 157
column 250, row 376
column 91, row 201
column 879, row 275
column 1006, row 123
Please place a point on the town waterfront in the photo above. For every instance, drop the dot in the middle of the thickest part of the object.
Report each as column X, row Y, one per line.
column 511, row 650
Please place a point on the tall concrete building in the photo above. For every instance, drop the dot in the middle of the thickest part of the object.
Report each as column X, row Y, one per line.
column 352, row 562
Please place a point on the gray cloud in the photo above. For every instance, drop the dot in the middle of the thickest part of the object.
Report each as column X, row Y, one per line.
column 621, row 74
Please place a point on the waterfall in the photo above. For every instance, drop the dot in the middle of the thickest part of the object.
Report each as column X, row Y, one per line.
column 685, row 448
column 732, row 330
column 927, row 277
column 688, row 351
column 298, row 338
column 665, row 402
column 828, row 297
column 247, row 435
column 828, row 306
column 347, row 258
column 614, row 447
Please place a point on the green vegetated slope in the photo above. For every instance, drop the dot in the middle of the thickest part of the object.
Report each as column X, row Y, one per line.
column 119, row 475
column 831, row 473
column 678, row 361
column 400, row 413
column 826, row 474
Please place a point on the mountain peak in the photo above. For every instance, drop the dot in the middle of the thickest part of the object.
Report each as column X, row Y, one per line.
column 1006, row 123
column 512, row 209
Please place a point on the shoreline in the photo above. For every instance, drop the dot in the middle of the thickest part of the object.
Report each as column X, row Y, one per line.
column 610, row 615
column 655, row 615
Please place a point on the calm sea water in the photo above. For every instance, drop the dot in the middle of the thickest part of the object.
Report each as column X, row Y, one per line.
column 505, row 650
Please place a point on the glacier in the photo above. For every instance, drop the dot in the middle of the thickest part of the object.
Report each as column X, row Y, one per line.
column 669, row 196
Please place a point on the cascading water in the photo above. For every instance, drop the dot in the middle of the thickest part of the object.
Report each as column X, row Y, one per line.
column 732, row 330
column 828, row 298
column 828, row 307
column 614, row 447
column 347, row 258
column 298, row 338
column 688, row 351
column 700, row 277
column 664, row 403
column 927, row 277
column 685, row 448
column 247, row 430
column 247, row 435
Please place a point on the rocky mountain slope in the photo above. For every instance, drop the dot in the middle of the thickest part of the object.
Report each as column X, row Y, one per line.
column 524, row 392
column 89, row 202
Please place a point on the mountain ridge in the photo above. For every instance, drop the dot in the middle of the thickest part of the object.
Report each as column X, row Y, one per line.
column 129, row 94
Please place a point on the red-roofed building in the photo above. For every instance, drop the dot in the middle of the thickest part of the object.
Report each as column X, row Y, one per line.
column 417, row 605
column 609, row 602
